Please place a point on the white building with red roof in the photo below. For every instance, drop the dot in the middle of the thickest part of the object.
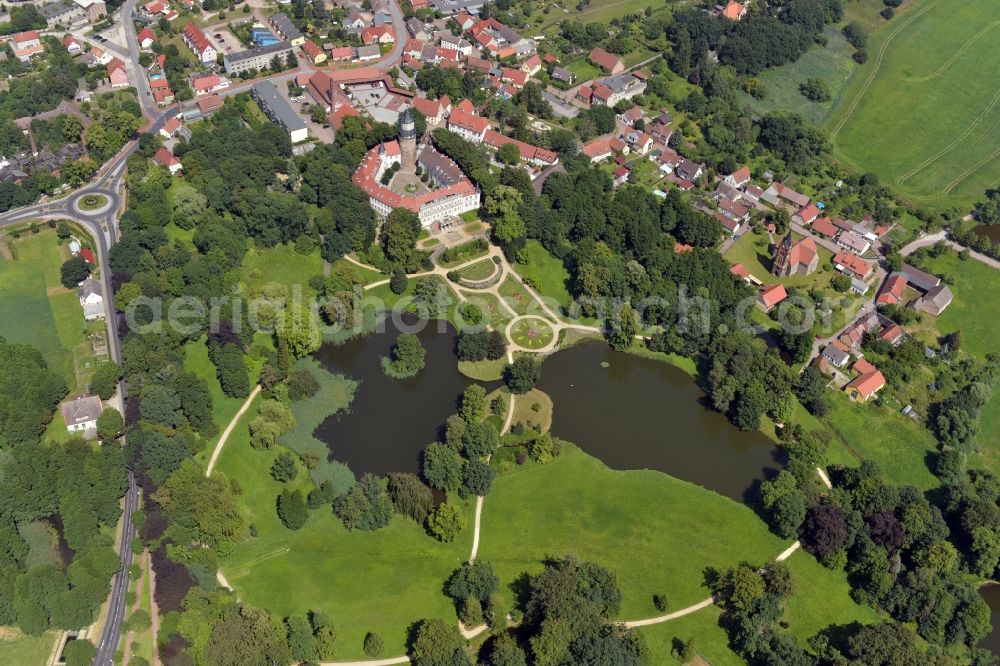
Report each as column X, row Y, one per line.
column 198, row 42
column 468, row 125
column 146, row 38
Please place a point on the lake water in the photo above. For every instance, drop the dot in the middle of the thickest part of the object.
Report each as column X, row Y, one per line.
column 637, row 413
column 991, row 593
column 390, row 421
column 632, row 413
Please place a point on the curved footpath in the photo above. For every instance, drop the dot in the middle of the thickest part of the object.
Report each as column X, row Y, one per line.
column 471, row 632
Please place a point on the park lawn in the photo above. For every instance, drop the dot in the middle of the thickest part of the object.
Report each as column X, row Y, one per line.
column 367, row 275
column 936, row 63
column 478, row 271
column 184, row 236
column 197, row 362
column 900, row 446
column 283, row 265
column 40, row 312
column 821, row 597
column 517, row 297
column 18, row 648
column 657, row 533
column 711, row 640
column 831, row 63
column 483, row 371
column 582, row 70
column 524, row 410
column 380, row 581
column 491, row 307
column 546, row 271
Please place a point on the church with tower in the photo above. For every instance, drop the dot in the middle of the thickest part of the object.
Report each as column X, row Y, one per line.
column 409, row 173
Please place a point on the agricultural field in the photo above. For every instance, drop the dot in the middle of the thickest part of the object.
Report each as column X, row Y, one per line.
column 924, row 111
column 39, row 311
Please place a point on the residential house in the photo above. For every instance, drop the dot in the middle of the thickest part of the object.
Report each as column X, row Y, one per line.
column 738, row 178
column 868, row 382
column 597, row 150
column 532, row 65
column 562, row 75
column 610, row 63
column 117, row 73
column 163, row 96
column 354, row 21
column 256, row 58
column 198, row 42
column 621, row 175
column 26, row 44
column 315, row 54
column 638, row 142
column 689, row 170
column 837, row 353
column 456, row 43
column 417, row 29
column 81, row 414
column 170, row 128
column 919, row 279
column 91, row 298
column 340, row 53
column 209, row 104
column 614, row 89
column 892, row 334
column 807, row 214
column 734, row 210
column 381, row 34
column 661, row 133
column 367, row 53
column 630, row 116
column 72, row 44
column 146, row 38
column 853, row 242
column 852, row 265
column 891, row 292
column 287, row 30
column 777, row 192
column 165, row 158
column 771, row 295
column 529, row 153
column 734, row 11
column 825, row 227
column 468, row 125
column 431, row 109
column 205, row 85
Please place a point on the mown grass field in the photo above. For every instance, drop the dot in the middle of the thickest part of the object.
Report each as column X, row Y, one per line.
column 657, row 533
column 548, row 272
column 39, row 311
column 832, row 64
column 924, row 111
column 17, row 648
column 900, row 446
column 976, row 288
column 381, row 581
column 282, row 265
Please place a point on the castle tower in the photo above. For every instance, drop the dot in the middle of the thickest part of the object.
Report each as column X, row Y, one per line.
column 782, row 252
column 408, row 141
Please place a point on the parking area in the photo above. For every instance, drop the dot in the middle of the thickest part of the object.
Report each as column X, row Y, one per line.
column 223, row 40
column 301, row 104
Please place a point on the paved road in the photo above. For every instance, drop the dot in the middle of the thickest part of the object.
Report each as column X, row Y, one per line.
column 931, row 239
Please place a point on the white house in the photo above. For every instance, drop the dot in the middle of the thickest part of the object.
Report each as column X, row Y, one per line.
column 91, row 299
column 80, row 415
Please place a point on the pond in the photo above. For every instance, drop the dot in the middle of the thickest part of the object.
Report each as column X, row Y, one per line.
column 638, row 413
column 390, row 421
column 991, row 231
column 991, row 593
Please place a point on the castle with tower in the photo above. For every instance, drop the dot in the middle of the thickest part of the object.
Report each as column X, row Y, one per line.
column 408, row 142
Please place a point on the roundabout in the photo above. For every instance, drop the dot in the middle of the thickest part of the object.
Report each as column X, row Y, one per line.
column 92, row 203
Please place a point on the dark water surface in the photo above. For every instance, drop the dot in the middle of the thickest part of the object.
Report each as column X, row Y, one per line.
column 991, row 231
column 390, row 421
column 991, row 593
column 638, row 413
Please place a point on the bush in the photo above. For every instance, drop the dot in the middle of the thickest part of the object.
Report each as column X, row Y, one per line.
column 73, row 272
column 522, row 374
column 292, row 509
column 856, row 35
column 815, row 90
column 302, row 384
column 887, row 13
column 283, row 468
column 374, row 646
column 446, row 522
column 860, row 56
column 410, row 497
column 398, row 281
column 660, row 601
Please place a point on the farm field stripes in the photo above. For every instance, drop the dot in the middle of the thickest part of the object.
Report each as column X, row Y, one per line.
column 925, row 117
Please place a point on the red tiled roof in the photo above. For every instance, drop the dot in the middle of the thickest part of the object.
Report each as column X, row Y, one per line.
column 734, row 10
column 206, row 82
column 25, row 36
column 772, row 295
column 824, row 226
column 145, row 34
column 809, row 213
column 853, row 263
column 196, row 37
column 365, row 178
column 528, row 152
column 336, row 119
column 209, row 103
column 311, row 49
column 604, row 60
column 164, row 157
column 741, row 175
column 739, row 270
column 468, row 121
column 430, row 108
column 892, row 291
